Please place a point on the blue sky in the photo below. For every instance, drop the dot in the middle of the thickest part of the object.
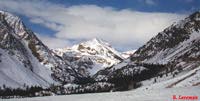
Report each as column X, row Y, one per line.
column 178, row 6
column 125, row 24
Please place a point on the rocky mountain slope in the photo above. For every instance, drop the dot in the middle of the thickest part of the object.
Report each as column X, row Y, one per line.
column 24, row 59
column 89, row 57
column 174, row 51
column 177, row 45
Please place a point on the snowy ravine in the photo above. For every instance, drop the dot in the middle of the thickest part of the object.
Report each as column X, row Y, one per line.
column 165, row 94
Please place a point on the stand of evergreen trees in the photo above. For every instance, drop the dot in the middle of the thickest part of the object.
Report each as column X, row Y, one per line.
column 7, row 92
column 80, row 89
column 131, row 80
column 33, row 91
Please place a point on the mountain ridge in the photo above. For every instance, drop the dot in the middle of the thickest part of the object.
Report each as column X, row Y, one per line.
column 174, row 51
column 26, row 50
column 96, row 53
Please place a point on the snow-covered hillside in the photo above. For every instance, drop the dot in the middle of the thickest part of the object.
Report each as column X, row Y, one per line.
column 174, row 51
column 91, row 56
column 179, row 43
column 24, row 59
column 183, row 79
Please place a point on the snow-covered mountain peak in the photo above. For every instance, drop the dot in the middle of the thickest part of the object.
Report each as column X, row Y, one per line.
column 14, row 22
column 91, row 56
column 94, row 47
column 195, row 16
column 93, row 43
column 9, row 16
column 96, row 41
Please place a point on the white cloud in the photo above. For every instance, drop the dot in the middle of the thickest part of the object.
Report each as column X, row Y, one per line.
column 53, row 42
column 122, row 28
column 150, row 2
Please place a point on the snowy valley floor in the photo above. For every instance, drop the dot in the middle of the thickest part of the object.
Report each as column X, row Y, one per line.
column 182, row 84
column 165, row 94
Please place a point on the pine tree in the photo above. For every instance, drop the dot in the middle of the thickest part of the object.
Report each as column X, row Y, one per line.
column 155, row 80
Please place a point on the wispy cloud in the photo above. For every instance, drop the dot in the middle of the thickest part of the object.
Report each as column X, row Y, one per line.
column 150, row 2
column 122, row 28
column 54, row 42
